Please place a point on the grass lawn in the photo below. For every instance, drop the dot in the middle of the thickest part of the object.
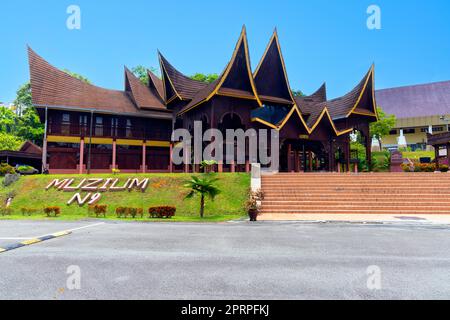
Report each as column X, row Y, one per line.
column 416, row 155
column 163, row 190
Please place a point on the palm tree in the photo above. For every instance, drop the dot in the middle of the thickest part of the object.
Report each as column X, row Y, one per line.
column 203, row 186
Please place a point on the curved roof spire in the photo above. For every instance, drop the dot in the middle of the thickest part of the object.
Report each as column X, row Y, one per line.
column 176, row 83
column 271, row 77
column 361, row 100
column 239, row 68
column 156, row 84
column 142, row 96
column 307, row 103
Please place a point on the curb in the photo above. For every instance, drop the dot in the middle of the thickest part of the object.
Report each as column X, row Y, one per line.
column 33, row 241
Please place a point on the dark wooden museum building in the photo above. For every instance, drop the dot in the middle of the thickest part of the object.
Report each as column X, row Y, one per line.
column 91, row 129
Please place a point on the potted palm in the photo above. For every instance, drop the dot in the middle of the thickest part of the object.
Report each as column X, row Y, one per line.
column 253, row 204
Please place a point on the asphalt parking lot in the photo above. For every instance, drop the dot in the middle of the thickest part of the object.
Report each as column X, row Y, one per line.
column 265, row 260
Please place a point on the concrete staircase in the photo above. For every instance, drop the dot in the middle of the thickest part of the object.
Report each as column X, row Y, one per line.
column 372, row 193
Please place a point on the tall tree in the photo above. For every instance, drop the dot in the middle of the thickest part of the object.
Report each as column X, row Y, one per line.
column 27, row 123
column 207, row 78
column 10, row 142
column 8, row 120
column 383, row 126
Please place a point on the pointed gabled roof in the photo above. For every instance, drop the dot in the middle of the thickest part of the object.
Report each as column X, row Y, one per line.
column 271, row 78
column 349, row 104
column 321, row 114
column 142, row 96
column 156, row 84
column 177, row 83
column 278, row 120
column 235, row 81
column 307, row 103
column 54, row 88
column 294, row 111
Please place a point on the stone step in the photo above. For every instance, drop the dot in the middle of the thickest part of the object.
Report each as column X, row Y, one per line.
column 321, row 193
column 383, row 202
column 353, row 199
column 354, row 211
column 323, row 207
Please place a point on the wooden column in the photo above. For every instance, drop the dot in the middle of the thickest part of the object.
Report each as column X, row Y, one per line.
column 247, row 166
column 349, row 155
column 436, row 155
column 144, row 157
column 369, row 151
column 448, row 153
column 81, row 156
column 331, row 157
column 114, row 154
column 220, row 167
column 310, row 159
column 289, row 151
column 233, row 166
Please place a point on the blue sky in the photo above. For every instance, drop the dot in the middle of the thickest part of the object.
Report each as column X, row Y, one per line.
column 322, row 40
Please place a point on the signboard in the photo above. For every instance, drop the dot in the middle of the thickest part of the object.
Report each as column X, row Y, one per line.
column 94, row 188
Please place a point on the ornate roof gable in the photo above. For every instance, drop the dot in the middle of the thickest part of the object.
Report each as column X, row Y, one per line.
column 235, row 81
column 270, row 76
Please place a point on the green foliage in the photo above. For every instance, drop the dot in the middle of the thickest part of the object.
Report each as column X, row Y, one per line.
column 205, row 186
column 142, row 73
column 6, row 169
column 10, row 142
column 30, row 126
column 25, row 169
column 207, row 165
column 383, row 126
column 8, row 120
column 207, row 78
column 5, row 211
column 381, row 161
column 24, row 123
column 297, row 93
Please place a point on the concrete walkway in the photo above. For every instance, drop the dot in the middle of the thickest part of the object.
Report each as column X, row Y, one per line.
column 425, row 218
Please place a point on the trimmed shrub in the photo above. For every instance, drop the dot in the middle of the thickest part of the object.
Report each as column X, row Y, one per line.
column 98, row 210
column 6, row 169
column 120, row 212
column 162, row 212
column 26, row 170
column 125, row 212
column 444, row 168
column 56, row 211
